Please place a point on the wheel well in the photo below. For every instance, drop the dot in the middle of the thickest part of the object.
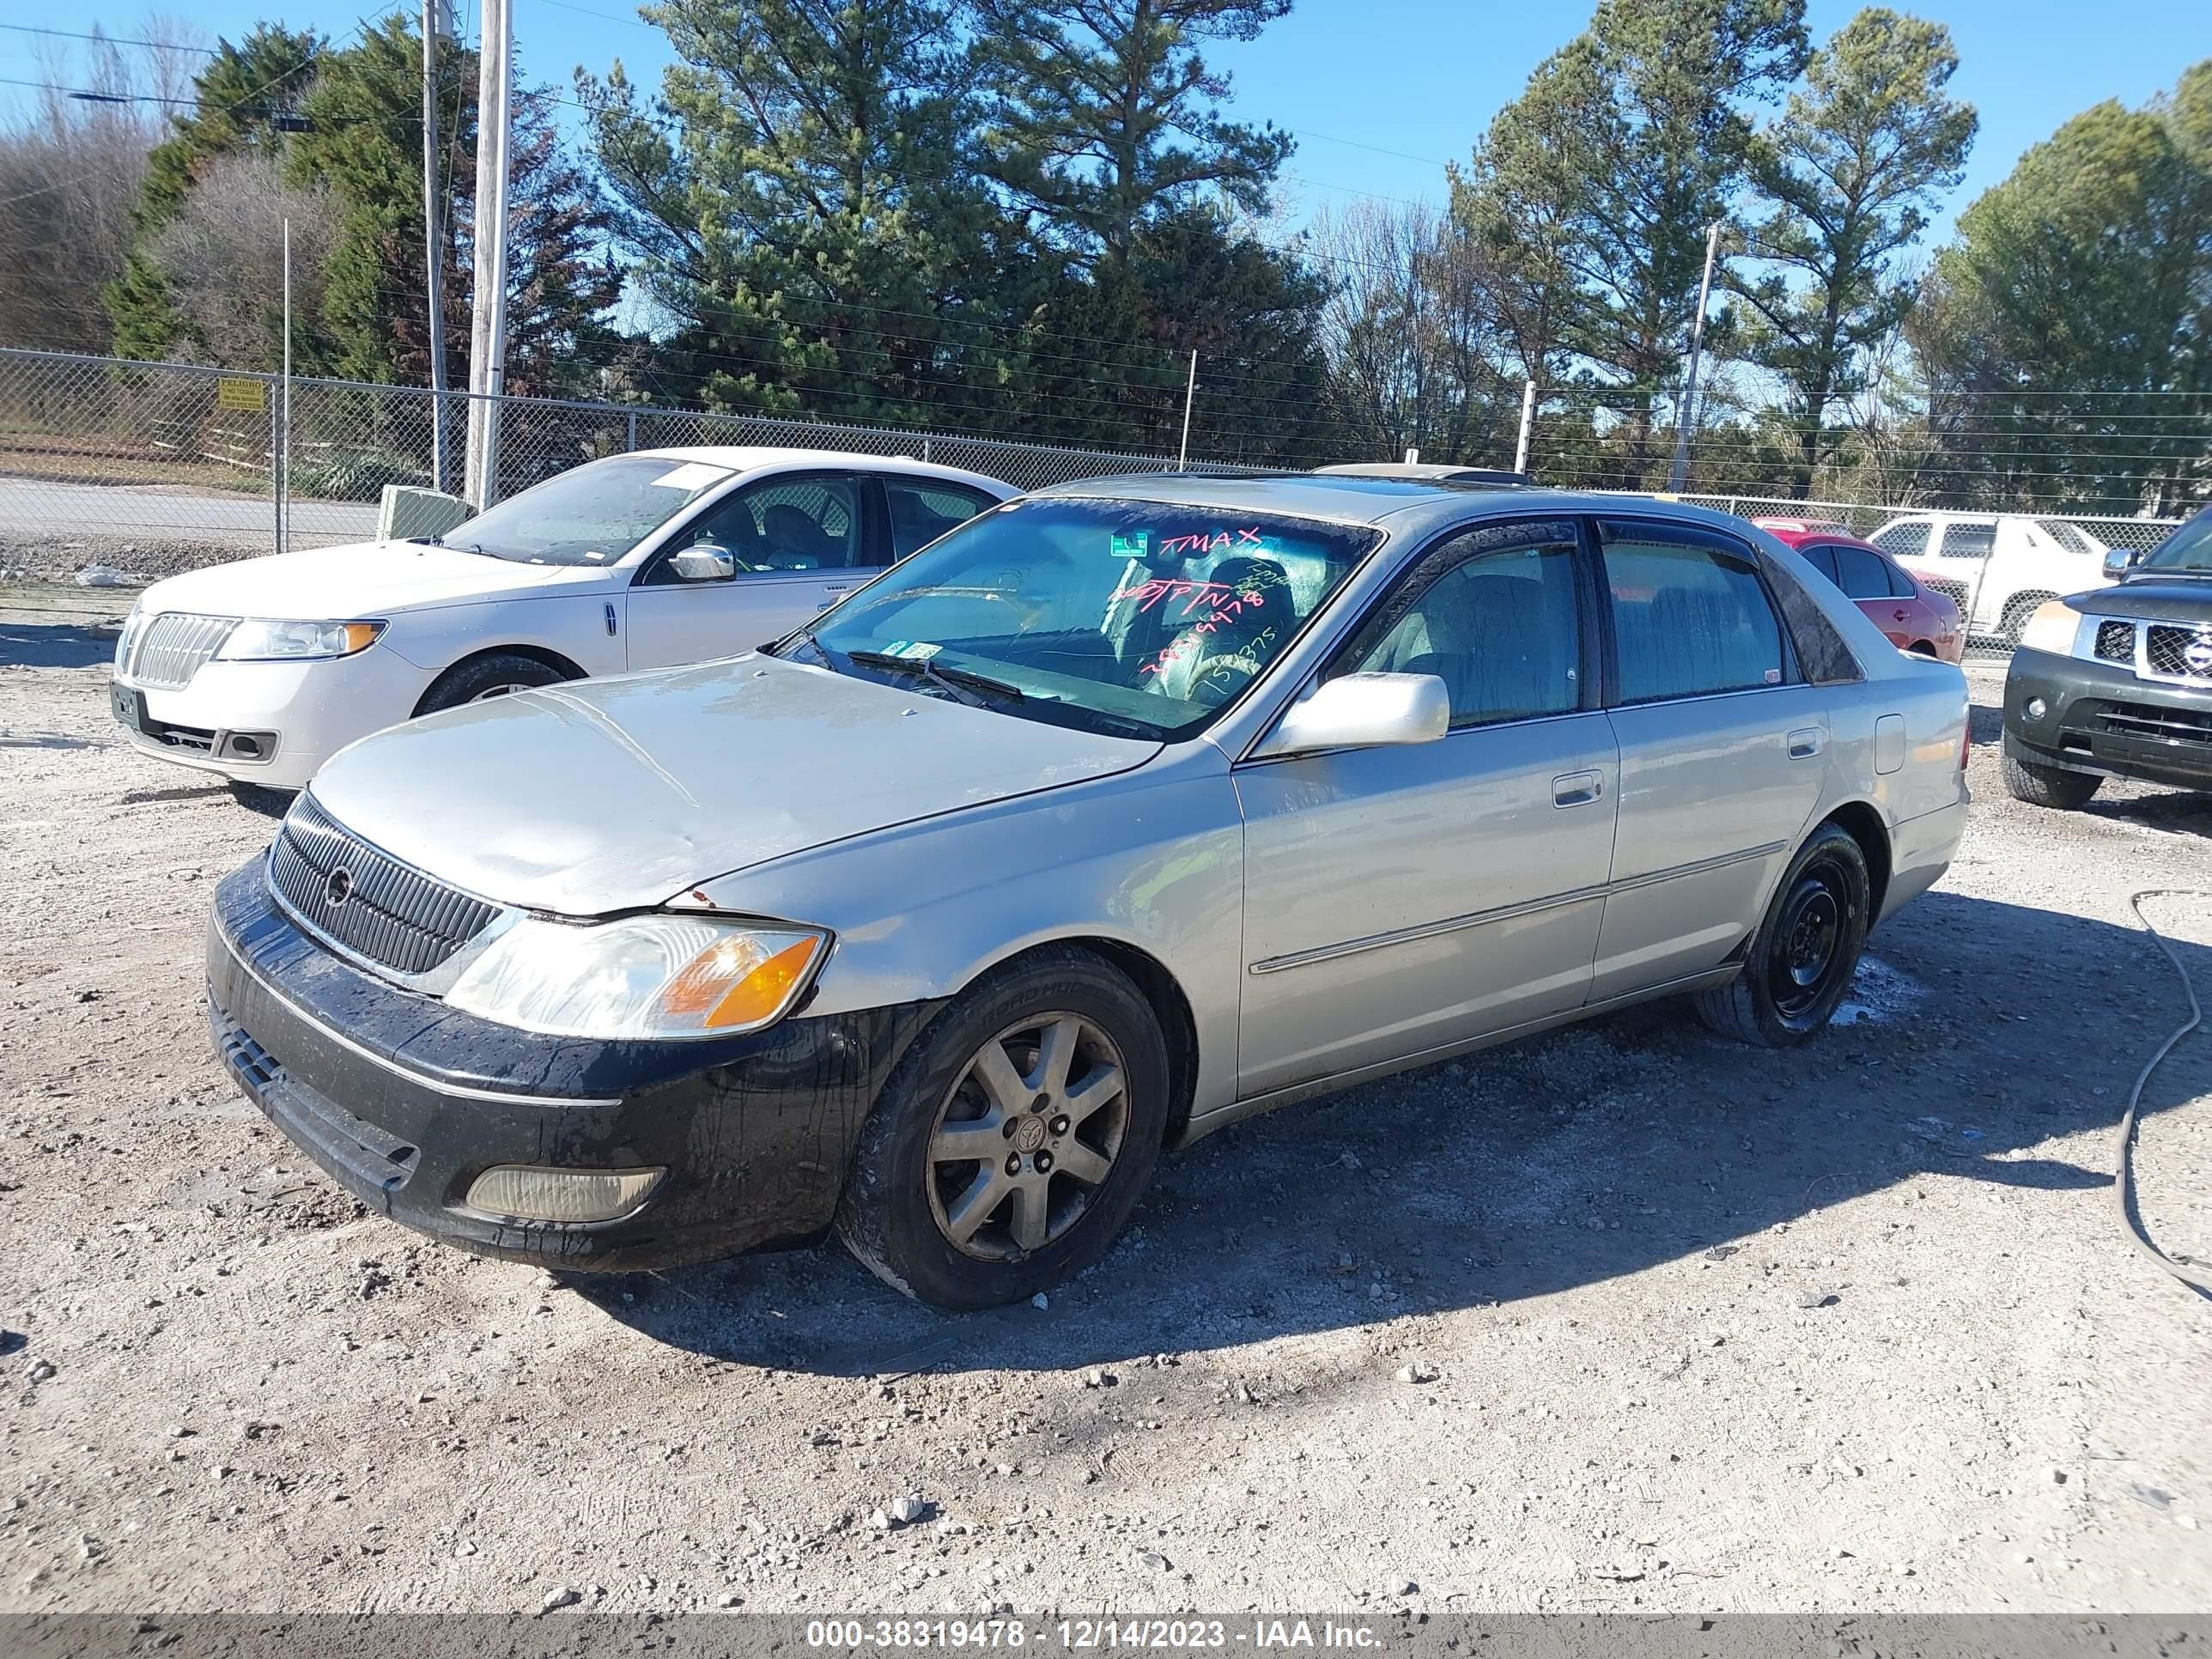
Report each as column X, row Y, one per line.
column 2022, row 602
column 552, row 659
column 1863, row 824
column 1172, row 1008
column 1922, row 648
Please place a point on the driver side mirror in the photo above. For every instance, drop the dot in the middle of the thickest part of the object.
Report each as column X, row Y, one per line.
column 1361, row 711
column 704, row 562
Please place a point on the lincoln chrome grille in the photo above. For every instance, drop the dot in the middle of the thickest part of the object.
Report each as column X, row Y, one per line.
column 2166, row 650
column 168, row 651
column 2115, row 641
column 363, row 898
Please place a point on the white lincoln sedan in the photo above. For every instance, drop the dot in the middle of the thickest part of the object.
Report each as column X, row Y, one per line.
column 264, row 669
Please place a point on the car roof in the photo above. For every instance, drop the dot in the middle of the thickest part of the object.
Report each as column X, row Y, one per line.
column 1441, row 471
column 1401, row 505
column 1792, row 537
column 746, row 458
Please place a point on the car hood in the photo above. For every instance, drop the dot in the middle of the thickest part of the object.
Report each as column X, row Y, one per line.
column 366, row 578
column 2154, row 598
column 612, row 794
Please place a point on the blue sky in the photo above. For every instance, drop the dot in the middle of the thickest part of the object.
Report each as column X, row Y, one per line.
column 1380, row 96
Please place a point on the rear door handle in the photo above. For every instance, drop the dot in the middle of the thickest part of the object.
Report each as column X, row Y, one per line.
column 1805, row 743
column 1900, row 614
column 1577, row 788
column 839, row 588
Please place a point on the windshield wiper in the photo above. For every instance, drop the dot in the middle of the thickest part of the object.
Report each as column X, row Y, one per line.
column 954, row 680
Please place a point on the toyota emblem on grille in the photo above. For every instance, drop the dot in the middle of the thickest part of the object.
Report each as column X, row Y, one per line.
column 2197, row 655
column 339, row 888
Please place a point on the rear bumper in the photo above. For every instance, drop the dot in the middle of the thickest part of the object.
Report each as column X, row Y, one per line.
column 2099, row 718
column 405, row 1102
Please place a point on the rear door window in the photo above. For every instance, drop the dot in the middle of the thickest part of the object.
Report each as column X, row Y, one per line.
column 1861, row 574
column 1688, row 619
column 921, row 512
column 1968, row 541
column 1821, row 557
column 1903, row 540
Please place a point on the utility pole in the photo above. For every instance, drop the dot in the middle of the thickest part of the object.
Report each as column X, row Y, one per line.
column 488, row 334
column 1527, row 426
column 284, row 411
column 1680, row 471
column 1189, row 391
column 436, row 23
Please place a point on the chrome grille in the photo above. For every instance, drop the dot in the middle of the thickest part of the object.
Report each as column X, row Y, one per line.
column 2115, row 641
column 386, row 911
column 170, row 648
column 2165, row 650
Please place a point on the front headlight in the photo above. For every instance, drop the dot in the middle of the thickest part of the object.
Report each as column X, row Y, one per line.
column 2051, row 628
column 644, row 977
column 289, row 642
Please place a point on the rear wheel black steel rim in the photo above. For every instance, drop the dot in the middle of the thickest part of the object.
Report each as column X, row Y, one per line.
column 1807, row 952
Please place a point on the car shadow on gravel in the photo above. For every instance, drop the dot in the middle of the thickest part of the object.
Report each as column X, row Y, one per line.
column 1543, row 1165
column 47, row 645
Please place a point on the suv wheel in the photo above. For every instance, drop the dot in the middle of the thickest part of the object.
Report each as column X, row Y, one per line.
column 1013, row 1138
column 1806, row 950
column 2048, row 786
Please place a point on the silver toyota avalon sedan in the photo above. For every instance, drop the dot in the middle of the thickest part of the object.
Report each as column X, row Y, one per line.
column 1122, row 811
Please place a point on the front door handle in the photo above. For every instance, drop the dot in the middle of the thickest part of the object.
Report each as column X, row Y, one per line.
column 1805, row 743
column 839, row 588
column 1577, row 788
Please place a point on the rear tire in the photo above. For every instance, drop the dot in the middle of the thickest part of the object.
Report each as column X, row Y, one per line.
column 2048, row 786
column 1805, row 952
column 480, row 678
column 1054, row 1069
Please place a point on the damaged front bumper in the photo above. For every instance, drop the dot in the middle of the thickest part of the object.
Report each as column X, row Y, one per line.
column 405, row 1103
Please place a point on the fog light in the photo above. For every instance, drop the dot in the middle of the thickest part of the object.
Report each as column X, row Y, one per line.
column 2037, row 708
column 520, row 1192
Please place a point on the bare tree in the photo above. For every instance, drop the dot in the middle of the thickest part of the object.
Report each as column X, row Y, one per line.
column 1411, row 337
column 71, row 169
column 222, row 256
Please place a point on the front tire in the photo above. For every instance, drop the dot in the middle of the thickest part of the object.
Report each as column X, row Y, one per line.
column 478, row 679
column 1805, row 952
column 1014, row 1137
column 2048, row 786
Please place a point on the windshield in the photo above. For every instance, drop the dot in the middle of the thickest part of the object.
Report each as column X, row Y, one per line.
column 2189, row 548
column 591, row 515
column 1129, row 618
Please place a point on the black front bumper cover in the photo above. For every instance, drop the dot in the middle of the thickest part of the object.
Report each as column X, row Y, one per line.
column 405, row 1102
column 2099, row 717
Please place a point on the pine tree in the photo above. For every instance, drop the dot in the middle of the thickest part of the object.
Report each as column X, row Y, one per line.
column 1105, row 117
column 1848, row 169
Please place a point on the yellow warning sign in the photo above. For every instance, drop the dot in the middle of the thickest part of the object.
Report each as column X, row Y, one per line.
column 240, row 394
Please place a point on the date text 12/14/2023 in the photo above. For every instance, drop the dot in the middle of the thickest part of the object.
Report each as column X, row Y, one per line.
column 1081, row 1635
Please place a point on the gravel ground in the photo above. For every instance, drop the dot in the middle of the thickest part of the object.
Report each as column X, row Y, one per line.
column 1622, row 1318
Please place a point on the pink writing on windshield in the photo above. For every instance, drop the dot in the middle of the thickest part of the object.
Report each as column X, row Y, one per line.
column 1214, row 541
column 1223, row 599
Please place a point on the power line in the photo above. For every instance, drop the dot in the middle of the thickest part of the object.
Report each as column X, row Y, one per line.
column 111, row 40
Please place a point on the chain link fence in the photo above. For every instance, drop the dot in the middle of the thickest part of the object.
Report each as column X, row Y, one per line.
column 108, row 457
column 148, row 465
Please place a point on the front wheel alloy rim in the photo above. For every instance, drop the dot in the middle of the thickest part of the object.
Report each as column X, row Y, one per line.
column 1807, row 952
column 1027, row 1136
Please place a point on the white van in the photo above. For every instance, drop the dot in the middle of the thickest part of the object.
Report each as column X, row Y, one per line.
column 1998, row 567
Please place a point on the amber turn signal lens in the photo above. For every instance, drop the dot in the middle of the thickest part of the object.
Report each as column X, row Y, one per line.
column 759, row 994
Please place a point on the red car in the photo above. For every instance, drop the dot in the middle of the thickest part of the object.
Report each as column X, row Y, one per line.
column 1914, row 615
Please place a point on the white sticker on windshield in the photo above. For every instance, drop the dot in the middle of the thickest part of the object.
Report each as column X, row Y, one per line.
column 913, row 650
column 692, row 475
